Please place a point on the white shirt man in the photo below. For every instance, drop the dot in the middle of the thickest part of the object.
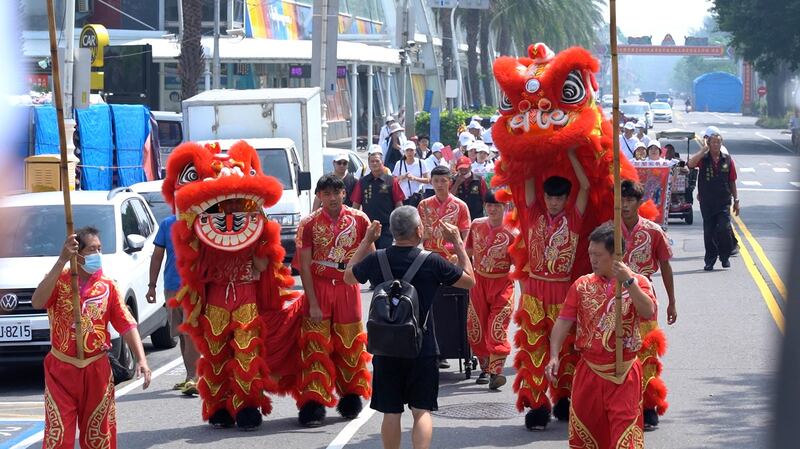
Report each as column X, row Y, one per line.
column 641, row 134
column 409, row 170
column 627, row 141
column 483, row 165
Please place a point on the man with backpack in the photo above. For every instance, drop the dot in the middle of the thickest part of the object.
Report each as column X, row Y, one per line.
column 408, row 380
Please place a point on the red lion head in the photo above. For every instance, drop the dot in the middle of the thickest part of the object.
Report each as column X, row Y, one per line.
column 221, row 196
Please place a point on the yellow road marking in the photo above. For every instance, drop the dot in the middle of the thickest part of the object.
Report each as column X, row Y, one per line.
column 766, row 293
column 762, row 257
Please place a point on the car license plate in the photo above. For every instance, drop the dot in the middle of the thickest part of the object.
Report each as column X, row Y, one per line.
column 16, row 331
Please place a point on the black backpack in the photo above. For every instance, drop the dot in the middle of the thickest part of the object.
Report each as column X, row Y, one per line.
column 394, row 326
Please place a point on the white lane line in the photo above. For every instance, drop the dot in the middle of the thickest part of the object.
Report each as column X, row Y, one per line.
column 351, row 428
column 776, row 143
column 796, row 184
column 746, row 189
column 766, row 164
column 121, row 392
column 747, row 170
column 751, row 183
column 780, row 169
column 22, row 403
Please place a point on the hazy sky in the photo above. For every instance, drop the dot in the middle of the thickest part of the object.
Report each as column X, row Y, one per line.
column 658, row 17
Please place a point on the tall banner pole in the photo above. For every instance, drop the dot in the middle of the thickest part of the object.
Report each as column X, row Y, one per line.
column 59, row 103
column 617, row 190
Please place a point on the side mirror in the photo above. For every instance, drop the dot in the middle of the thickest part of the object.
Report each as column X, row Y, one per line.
column 135, row 242
column 303, row 181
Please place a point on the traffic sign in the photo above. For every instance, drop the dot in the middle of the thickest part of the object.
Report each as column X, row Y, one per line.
column 762, row 90
column 463, row 4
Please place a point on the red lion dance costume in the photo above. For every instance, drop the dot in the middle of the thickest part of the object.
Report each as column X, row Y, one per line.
column 548, row 106
column 236, row 305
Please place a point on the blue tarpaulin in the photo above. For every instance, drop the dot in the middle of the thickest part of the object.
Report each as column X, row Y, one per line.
column 46, row 130
column 131, row 128
column 718, row 92
column 97, row 147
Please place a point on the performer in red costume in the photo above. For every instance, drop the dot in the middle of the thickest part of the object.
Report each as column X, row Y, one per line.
column 552, row 241
column 550, row 119
column 442, row 207
column 80, row 391
column 606, row 408
column 646, row 251
column 491, row 300
column 234, row 287
column 332, row 336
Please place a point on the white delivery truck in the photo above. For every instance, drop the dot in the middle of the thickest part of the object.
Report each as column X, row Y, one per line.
column 283, row 125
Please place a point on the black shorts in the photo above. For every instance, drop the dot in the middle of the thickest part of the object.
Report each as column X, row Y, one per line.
column 396, row 382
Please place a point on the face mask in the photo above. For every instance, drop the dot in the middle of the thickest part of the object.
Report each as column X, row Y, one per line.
column 92, row 263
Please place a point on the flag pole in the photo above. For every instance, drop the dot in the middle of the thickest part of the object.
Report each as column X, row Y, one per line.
column 59, row 104
column 617, row 190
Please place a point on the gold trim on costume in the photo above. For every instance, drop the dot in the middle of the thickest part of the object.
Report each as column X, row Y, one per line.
column 606, row 371
column 533, row 307
column 245, row 314
column 218, row 318
column 632, row 437
column 54, row 426
column 578, row 429
column 96, row 437
column 74, row 361
column 499, row 326
column 348, row 332
column 542, row 278
column 473, row 325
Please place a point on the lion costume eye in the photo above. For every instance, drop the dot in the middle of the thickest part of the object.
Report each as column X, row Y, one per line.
column 505, row 103
column 252, row 171
column 573, row 91
column 188, row 175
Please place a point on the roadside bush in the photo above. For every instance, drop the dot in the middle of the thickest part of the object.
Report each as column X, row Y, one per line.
column 773, row 122
column 449, row 123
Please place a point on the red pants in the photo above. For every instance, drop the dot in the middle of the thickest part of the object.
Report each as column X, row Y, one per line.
column 488, row 315
column 605, row 415
column 232, row 371
column 538, row 310
column 334, row 351
column 653, row 347
column 79, row 396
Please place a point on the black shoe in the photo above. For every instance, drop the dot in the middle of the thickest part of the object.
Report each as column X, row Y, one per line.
column 709, row 267
column 483, row 378
column 221, row 419
column 444, row 364
column 349, row 406
column 650, row 419
column 311, row 415
column 726, row 263
column 561, row 409
column 735, row 250
column 537, row 419
column 248, row 418
column 496, row 381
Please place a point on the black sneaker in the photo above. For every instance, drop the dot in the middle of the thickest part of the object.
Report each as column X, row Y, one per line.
column 709, row 267
column 496, row 381
column 537, row 419
column 650, row 419
column 726, row 263
column 483, row 378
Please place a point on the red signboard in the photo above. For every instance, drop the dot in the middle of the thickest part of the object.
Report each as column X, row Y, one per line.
column 706, row 50
column 747, row 83
column 762, row 90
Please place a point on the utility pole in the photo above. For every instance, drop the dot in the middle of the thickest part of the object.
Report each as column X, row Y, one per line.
column 69, row 56
column 216, row 72
column 456, row 64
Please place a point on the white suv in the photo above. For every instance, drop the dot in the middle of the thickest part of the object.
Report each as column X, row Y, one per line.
column 32, row 232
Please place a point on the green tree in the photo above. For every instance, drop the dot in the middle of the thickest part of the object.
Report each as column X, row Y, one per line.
column 764, row 32
column 191, row 59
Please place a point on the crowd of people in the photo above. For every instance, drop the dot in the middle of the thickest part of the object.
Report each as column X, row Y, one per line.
column 425, row 199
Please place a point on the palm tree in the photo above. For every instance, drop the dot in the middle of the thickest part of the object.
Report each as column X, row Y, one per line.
column 485, row 61
column 191, row 59
column 472, row 23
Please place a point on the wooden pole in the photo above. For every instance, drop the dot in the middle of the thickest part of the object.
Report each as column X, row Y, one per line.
column 617, row 191
column 62, row 137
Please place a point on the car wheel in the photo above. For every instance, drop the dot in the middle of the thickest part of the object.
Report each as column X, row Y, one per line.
column 162, row 338
column 123, row 363
column 689, row 217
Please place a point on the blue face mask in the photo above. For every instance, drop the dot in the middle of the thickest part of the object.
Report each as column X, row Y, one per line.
column 92, row 263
